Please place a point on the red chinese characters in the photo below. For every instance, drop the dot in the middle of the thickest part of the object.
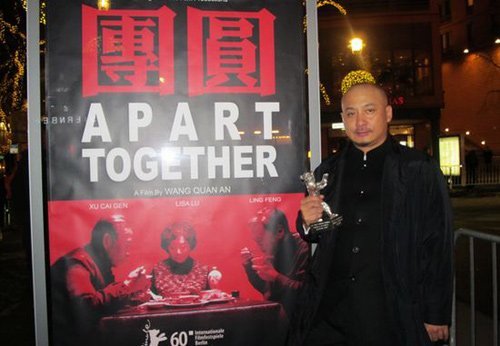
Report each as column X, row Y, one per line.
column 133, row 51
column 121, row 51
column 231, row 52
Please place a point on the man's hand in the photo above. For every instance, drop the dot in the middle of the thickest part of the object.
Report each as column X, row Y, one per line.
column 264, row 269
column 136, row 272
column 437, row 332
column 138, row 280
column 311, row 209
column 246, row 255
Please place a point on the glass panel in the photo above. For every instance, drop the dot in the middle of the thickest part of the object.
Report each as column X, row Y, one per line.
column 423, row 73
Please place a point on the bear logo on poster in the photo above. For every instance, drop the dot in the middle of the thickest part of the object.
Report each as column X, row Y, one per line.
column 153, row 336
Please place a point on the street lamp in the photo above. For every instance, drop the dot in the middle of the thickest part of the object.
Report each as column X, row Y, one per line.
column 356, row 44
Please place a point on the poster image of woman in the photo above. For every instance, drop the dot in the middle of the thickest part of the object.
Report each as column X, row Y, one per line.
column 179, row 273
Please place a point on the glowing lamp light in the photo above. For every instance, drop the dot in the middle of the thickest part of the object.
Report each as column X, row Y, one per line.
column 356, row 45
column 483, row 142
column 497, row 41
column 466, row 51
column 467, row 133
column 103, row 5
column 446, row 130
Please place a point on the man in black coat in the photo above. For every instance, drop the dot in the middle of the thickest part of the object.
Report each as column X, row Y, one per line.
column 385, row 276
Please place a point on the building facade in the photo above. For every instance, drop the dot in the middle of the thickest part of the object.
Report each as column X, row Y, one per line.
column 401, row 48
column 470, row 40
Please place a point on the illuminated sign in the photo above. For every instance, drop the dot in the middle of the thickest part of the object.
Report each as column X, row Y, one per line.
column 449, row 155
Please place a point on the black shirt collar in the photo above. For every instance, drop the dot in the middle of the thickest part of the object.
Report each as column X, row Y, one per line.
column 374, row 154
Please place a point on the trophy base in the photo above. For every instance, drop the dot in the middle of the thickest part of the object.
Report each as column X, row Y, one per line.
column 326, row 224
column 320, row 226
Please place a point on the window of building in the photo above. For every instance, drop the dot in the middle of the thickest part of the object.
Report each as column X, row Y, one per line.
column 445, row 42
column 445, row 10
column 398, row 56
column 470, row 36
column 404, row 134
column 469, row 4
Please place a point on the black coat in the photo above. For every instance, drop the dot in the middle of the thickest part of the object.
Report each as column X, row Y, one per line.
column 416, row 246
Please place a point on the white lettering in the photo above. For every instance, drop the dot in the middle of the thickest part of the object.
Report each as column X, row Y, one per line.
column 221, row 161
column 93, row 155
column 265, row 157
column 228, row 122
column 121, row 155
column 240, row 161
column 183, row 123
column 135, row 122
column 96, row 114
column 151, row 167
column 267, row 109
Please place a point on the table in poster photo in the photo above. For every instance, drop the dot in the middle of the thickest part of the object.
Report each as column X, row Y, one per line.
column 231, row 322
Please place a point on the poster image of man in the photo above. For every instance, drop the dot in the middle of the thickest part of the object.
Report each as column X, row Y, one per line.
column 83, row 287
column 179, row 273
column 277, row 273
column 212, row 236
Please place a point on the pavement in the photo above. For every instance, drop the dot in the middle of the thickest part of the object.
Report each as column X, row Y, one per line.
column 484, row 327
column 477, row 210
column 471, row 210
column 16, row 301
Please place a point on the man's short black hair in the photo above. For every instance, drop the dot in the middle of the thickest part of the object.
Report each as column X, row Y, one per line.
column 277, row 219
column 273, row 220
column 101, row 228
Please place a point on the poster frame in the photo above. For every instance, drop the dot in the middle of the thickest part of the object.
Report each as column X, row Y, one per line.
column 37, row 220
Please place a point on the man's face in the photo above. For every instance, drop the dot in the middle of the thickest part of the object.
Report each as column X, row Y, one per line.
column 179, row 249
column 119, row 248
column 366, row 115
column 266, row 240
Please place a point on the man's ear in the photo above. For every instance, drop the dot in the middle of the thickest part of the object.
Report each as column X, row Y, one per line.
column 388, row 113
column 107, row 241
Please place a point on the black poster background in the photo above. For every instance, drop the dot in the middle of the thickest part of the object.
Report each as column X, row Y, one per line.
column 218, row 208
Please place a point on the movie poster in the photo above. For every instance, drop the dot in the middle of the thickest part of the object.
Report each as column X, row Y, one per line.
column 175, row 140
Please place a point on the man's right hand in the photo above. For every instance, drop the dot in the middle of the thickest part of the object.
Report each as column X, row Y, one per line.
column 138, row 281
column 246, row 255
column 311, row 209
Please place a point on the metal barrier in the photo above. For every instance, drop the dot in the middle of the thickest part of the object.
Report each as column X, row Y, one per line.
column 494, row 240
column 458, row 175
